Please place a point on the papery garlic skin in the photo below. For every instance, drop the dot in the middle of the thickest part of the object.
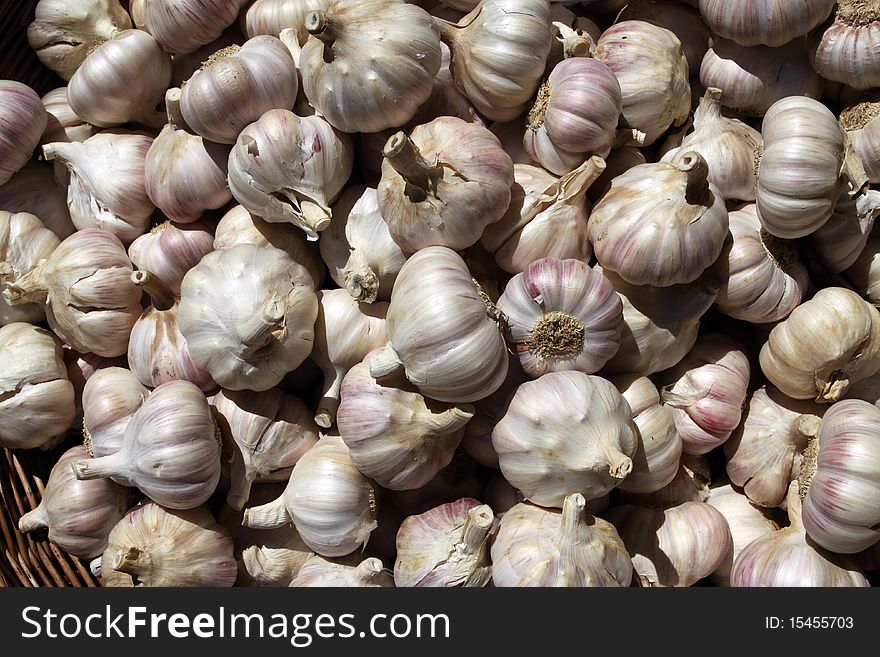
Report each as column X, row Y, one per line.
column 110, row 398
column 170, row 250
column 266, row 333
column 826, row 344
column 684, row 23
column 182, row 27
column 78, row 514
column 63, row 124
column 842, row 238
column 158, row 547
column 80, row 368
column 36, row 398
column 863, row 130
column 447, row 546
column 845, row 50
column 318, row 572
column 65, row 31
column 864, row 274
column 690, row 484
column 768, row 22
column 33, row 189
column 286, row 168
column 562, row 315
column 24, row 242
column 548, row 450
column 273, row 16
column 546, row 547
column 22, row 121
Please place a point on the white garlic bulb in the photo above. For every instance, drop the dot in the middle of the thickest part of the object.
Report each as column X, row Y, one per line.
column 844, row 50
column 24, row 242
column 319, row 572
column 683, row 22
column 842, row 238
column 36, row 398
column 22, row 121
column 289, row 168
column 80, row 368
column 770, row 22
column 548, row 451
column 548, row 547
column 33, row 189
column 181, row 27
column 170, row 250
column 63, row 124
column 864, row 273
column 858, row 119
column 267, row 332
column 273, row 16
column 110, row 397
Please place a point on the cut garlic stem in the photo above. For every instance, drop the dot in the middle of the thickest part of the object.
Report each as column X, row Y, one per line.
column 132, row 561
column 362, row 283
column 160, row 294
column 476, row 528
column 104, row 466
column 33, row 520
column 406, row 159
column 384, row 363
column 453, row 418
column 267, row 516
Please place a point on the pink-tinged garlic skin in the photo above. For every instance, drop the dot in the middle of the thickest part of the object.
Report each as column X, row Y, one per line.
column 318, row 572
column 110, row 398
column 768, row 22
column 22, row 121
column 33, row 189
column 272, row 16
column 170, row 250
column 575, row 116
column 683, row 22
column 840, row 510
column 181, row 27
column 707, row 391
column 24, row 241
column 78, row 514
column 562, row 315
column 81, row 367
column 845, row 50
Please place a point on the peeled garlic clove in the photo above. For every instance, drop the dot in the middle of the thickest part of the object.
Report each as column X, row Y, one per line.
column 170, row 250
column 672, row 547
column 547, row 451
column 286, row 168
column 394, row 435
column 91, row 303
column 110, row 398
column 63, row 124
column 24, row 242
column 843, row 237
column 36, row 398
column 762, row 276
column 654, row 101
column 660, row 224
column 319, row 572
column 236, row 86
column 332, row 504
column 78, row 514
column 359, row 251
column 169, row 449
column 107, row 182
column 34, row 190
column 562, row 316
column 64, row 32
column 181, row 27
column 683, row 22
column 444, row 184
column 845, row 49
column 271, row 431
column 772, row 22
column 272, row 16
column 265, row 333
column 156, row 546
column 826, row 344
column 447, row 546
column 22, row 121
column 548, row 547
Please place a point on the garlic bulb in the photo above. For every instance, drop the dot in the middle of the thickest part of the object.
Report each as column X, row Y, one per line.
column 265, row 333
column 562, row 315
column 169, row 449
column 63, row 124
column 156, row 546
column 730, row 147
column 842, row 238
column 840, row 509
column 826, row 344
column 762, row 276
column 844, row 50
column 864, row 273
column 34, row 190
column 181, row 27
column 683, row 22
column 394, row 435
column 332, row 504
column 575, row 115
column 359, row 251
column 110, row 398
column 81, row 367
column 753, row 78
column 90, row 301
column 289, row 168
column 22, row 121
column 498, row 54
column 78, row 514
column 707, row 390
column 863, row 131
column 768, row 22
column 402, row 46
column 659, row 448
column 744, row 520
column 170, row 250
column 36, row 398
column 63, row 32
column 238, row 226
column 236, row 86
column 787, row 558
column 444, row 184
column 548, row 547
column 690, row 484
column 157, row 351
column 661, row 323
column 547, row 217
column 319, row 572
column 799, row 177
column 547, row 450
column 107, row 182
column 464, row 357
column 272, row 16
column 345, row 332
column 24, row 242
column 653, row 75
column 269, row 431
column 660, row 224
column 447, row 546
column 185, row 175
column 122, row 81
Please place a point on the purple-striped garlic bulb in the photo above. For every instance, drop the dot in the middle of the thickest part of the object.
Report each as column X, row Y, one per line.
column 170, row 250
column 111, row 396
column 182, row 27
column 22, row 121
column 319, row 572
column 768, row 22
column 24, row 242
column 845, row 49
column 684, row 22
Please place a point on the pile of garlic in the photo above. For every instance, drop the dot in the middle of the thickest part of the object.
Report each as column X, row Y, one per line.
column 477, row 293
